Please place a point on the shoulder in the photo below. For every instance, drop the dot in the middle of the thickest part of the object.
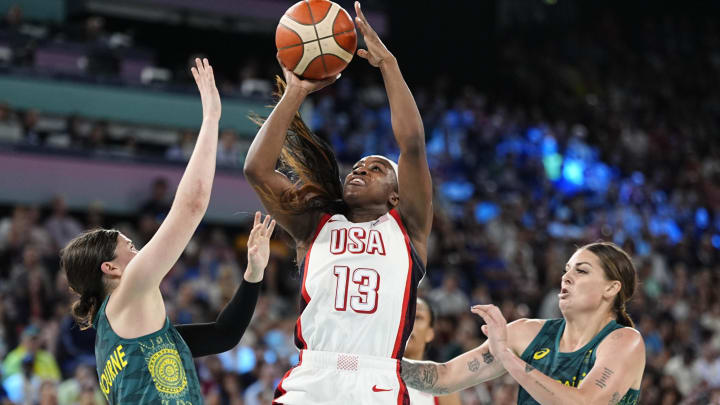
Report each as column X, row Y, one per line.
column 624, row 341
column 521, row 332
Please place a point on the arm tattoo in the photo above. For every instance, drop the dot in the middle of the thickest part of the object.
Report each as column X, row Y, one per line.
column 488, row 357
column 474, row 365
column 615, row 399
column 528, row 368
column 422, row 376
column 602, row 381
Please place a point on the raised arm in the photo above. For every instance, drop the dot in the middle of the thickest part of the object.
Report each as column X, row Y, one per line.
column 264, row 152
column 414, row 182
column 222, row 335
column 619, row 362
column 142, row 276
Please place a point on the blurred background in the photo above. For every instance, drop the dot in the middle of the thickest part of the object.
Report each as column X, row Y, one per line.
column 549, row 124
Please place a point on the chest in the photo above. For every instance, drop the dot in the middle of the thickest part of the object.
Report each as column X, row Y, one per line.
column 567, row 368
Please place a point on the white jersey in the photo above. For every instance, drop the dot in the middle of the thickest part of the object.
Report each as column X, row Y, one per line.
column 421, row 398
column 359, row 287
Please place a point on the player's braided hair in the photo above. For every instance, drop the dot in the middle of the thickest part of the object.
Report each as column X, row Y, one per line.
column 81, row 260
column 310, row 164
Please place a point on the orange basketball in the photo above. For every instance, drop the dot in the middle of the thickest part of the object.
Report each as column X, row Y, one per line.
column 316, row 39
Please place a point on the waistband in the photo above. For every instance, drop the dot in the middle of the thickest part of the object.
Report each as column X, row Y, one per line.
column 347, row 361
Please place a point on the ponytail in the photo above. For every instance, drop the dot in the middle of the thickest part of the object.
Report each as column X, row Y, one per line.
column 81, row 260
column 310, row 164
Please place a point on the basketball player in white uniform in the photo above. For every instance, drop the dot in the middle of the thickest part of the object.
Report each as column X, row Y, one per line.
column 361, row 244
column 422, row 334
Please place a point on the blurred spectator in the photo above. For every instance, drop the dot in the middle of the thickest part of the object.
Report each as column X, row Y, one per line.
column 31, row 133
column 23, row 387
column 182, row 150
column 83, row 383
column 449, row 299
column 61, row 226
column 10, row 129
column 262, row 390
column 157, row 206
column 229, row 152
column 41, row 362
column 48, row 393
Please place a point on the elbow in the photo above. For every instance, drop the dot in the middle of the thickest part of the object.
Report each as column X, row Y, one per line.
column 196, row 200
column 251, row 171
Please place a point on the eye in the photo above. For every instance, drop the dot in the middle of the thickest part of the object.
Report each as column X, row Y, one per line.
column 581, row 271
column 375, row 168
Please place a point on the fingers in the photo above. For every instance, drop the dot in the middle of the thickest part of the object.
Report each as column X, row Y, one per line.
column 484, row 330
column 485, row 313
column 258, row 215
column 271, row 228
column 360, row 16
column 362, row 53
column 266, row 222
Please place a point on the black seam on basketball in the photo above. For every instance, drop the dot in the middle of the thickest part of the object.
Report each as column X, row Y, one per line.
column 320, row 39
column 340, row 33
column 290, row 17
column 312, row 17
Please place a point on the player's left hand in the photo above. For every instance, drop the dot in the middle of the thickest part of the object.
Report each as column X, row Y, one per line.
column 495, row 327
column 376, row 53
column 258, row 245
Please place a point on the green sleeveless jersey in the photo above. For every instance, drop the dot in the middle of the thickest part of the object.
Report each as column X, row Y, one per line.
column 153, row 369
column 567, row 368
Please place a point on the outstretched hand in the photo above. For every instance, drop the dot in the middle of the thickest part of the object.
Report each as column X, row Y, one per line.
column 495, row 327
column 306, row 86
column 209, row 96
column 258, row 245
column 376, row 52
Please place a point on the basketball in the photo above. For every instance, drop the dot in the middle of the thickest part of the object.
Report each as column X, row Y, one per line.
column 316, row 39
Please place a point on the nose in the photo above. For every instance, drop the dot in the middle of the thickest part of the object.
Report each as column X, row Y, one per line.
column 360, row 171
column 566, row 278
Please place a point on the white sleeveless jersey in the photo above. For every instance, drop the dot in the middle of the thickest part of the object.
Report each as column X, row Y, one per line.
column 421, row 398
column 359, row 287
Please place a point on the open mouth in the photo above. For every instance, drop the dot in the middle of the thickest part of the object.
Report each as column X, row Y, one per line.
column 563, row 293
column 357, row 182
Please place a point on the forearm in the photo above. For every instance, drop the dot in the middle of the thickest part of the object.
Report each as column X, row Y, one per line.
column 265, row 149
column 406, row 120
column 542, row 388
column 193, row 192
column 466, row 370
column 228, row 328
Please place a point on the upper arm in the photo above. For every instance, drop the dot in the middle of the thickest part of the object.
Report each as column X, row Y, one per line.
column 415, row 189
column 270, row 186
column 619, row 362
column 521, row 333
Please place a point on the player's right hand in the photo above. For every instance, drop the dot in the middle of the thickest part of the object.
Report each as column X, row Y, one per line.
column 258, row 245
column 306, row 86
column 209, row 96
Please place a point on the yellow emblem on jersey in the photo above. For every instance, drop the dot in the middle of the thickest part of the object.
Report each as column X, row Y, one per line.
column 167, row 371
column 541, row 353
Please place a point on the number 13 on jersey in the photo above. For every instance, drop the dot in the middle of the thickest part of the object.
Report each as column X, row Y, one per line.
column 361, row 287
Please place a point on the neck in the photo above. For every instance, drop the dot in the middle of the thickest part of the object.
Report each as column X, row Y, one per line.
column 579, row 330
column 367, row 213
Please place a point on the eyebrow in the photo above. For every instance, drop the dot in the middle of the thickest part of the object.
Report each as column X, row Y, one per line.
column 577, row 264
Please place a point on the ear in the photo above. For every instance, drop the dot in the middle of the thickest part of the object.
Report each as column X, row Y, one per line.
column 429, row 336
column 110, row 269
column 613, row 288
column 394, row 199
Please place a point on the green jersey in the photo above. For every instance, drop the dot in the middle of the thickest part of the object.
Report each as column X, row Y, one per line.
column 153, row 369
column 567, row 368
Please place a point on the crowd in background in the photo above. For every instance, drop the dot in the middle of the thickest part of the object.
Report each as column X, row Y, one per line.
column 574, row 147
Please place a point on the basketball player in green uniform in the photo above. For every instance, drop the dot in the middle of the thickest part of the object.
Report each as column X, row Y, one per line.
column 141, row 358
column 590, row 356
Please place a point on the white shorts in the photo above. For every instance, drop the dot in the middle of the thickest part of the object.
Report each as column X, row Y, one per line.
column 323, row 378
